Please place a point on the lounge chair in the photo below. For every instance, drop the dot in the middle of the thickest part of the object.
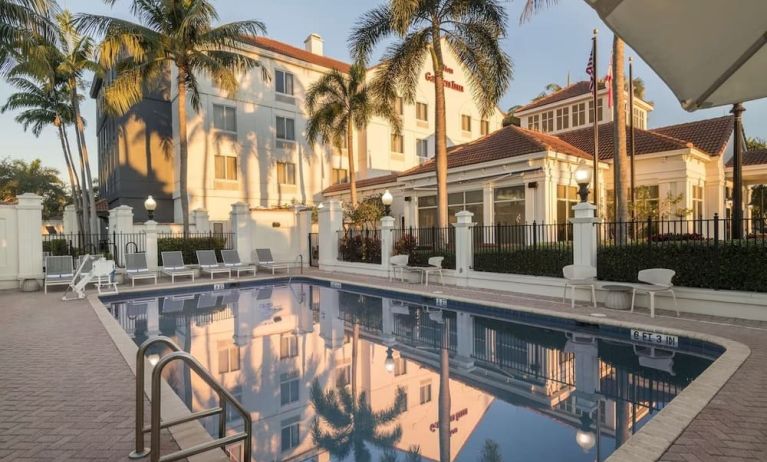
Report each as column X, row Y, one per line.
column 136, row 268
column 232, row 260
column 398, row 262
column 266, row 261
column 209, row 264
column 435, row 266
column 579, row 276
column 173, row 265
column 58, row 272
column 655, row 280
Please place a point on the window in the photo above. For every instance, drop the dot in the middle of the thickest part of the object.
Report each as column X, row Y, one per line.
column 599, row 111
column 563, row 118
column 286, row 173
column 547, row 121
column 484, row 127
column 339, row 175
column 425, row 393
column 510, row 205
column 422, row 148
column 567, row 198
column 468, row 200
column 225, row 118
column 286, row 129
column 284, row 82
column 225, row 167
column 400, row 367
column 647, row 202
column 343, row 376
column 466, row 123
column 422, row 112
column 228, row 357
column 399, row 105
column 289, row 435
column 397, row 143
column 534, row 122
column 288, row 346
column 639, row 118
column 579, row 114
column 288, row 388
column 697, row 202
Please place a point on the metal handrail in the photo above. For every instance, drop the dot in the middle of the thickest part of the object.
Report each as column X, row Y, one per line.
column 155, row 406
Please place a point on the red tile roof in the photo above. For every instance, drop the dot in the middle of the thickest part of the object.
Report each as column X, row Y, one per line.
column 296, row 53
column 367, row 182
column 755, row 157
column 645, row 142
column 710, row 135
column 571, row 91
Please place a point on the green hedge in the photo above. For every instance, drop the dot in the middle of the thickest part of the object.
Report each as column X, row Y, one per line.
column 360, row 249
column 528, row 260
column 56, row 247
column 730, row 266
column 190, row 245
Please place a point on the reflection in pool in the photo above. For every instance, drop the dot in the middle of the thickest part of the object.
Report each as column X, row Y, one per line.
column 332, row 374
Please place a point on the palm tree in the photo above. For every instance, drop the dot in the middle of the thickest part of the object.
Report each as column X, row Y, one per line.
column 22, row 20
column 471, row 29
column 337, row 104
column 171, row 33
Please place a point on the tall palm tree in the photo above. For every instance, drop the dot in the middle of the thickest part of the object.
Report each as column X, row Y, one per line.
column 170, row 33
column 22, row 20
column 471, row 29
column 338, row 104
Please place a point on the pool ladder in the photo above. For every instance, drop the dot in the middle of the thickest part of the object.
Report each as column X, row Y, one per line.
column 224, row 398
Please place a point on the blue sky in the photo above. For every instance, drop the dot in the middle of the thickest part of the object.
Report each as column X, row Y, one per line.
column 543, row 50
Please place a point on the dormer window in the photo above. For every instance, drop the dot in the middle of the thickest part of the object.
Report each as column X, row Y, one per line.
column 563, row 118
column 534, row 122
column 547, row 121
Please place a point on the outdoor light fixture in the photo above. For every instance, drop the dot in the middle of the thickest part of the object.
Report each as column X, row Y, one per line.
column 584, row 436
column 387, row 199
column 150, row 205
column 389, row 363
column 155, row 358
column 583, row 178
column 321, row 206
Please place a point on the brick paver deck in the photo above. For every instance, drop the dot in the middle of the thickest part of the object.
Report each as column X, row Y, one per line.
column 67, row 394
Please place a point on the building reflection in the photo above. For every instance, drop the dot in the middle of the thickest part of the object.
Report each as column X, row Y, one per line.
column 268, row 345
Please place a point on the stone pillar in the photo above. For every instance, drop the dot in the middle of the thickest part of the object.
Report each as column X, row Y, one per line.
column 150, row 237
column 464, row 253
column 302, row 229
column 153, row 318
column 242, row 229
column 465, row 340
column 121, row 219
column 387, row 240
column 388, row 323
column 201, row 221
column 29, row 210
column 331, row 325
column 331, row 217
column 584, row 235
column 71, row 226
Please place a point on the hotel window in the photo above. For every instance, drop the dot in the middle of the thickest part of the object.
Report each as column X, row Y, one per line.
column 286, row 173
column 422, row 112
column 567, row 198
column 289, row 435
column 547, row 121
column 422, row 148
column 579, row 114
column 468, row 200
column 288, row 346
column 228, row 357
column 697, row 202
column 225, row 118
column 600, row 114
column 563, row 118
column 484, row 127
column 286, row 128
column 425, row 393
column 343, row 376
column 225, row 167
column 397, row 143
column 534, row 122
column 399, row 105
column 400, row 367
column 639, row 118
column 647, row 199
column 510, row 205
column 288, row 388
column 466, row 123
column 339, row 175
column 284, row 82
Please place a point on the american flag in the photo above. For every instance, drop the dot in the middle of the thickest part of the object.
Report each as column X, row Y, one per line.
column 590, row 70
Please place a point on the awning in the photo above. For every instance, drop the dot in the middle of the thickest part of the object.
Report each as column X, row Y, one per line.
column 709, row 52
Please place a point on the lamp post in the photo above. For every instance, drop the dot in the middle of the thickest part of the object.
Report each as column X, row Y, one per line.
column 150, row 205
column 583, row 177
column 389, row 362
column 387, row 200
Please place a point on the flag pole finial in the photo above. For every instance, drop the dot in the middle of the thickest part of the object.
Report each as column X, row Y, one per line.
column 596, row 32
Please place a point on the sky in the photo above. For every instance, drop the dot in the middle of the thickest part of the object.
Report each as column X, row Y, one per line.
column 548, row 48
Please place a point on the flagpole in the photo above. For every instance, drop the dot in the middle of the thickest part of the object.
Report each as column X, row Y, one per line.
column 631, row 135
column 595, row 76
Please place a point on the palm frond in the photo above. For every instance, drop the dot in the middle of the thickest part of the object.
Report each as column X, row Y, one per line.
column 532, row 7
column 369, row 30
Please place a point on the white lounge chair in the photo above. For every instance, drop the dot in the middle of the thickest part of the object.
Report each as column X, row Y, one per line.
column 435, row 266
column 58, row 271
column 173, row 265
column 398, row 262
column 579, row 276
column 137, row 268
column 209, row 264
column 232, row 260
column 266, row 261
column 655, row 280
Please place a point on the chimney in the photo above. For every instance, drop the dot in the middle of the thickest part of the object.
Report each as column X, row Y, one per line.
column 313, row 44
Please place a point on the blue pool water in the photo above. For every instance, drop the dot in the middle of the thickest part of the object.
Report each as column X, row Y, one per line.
column 359, row 374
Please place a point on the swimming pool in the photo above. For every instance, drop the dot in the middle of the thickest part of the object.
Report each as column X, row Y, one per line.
column 522, row 385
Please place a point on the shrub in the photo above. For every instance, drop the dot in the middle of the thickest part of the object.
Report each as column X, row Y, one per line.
column 56, row 247
column 668, row 237
column 419, row 255
column 190, row 245
column 533, row 261
column 360, row 249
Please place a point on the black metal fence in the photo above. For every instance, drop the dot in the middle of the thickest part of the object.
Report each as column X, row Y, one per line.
column 112, row 245
column 531, row 249
column 188, row 245
column 420, row 244
column 360, row 245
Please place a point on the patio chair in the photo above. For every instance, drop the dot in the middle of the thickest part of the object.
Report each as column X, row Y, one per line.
column 232, row 260
column 435, row 266
column 579, row 276
column 398, row 262
column 58, row 271
column 209, row 264
column 655, row 280
column 137, row 268
column 173, row 265
column 266, row 261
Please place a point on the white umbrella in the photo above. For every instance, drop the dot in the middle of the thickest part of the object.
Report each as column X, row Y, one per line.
column 709, row 52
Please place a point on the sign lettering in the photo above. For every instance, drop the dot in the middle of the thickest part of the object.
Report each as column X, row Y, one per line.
column 447, row 83
column 453, row 418
column 655, row 338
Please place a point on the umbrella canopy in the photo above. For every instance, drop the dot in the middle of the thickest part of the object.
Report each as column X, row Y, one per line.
column 709, row 52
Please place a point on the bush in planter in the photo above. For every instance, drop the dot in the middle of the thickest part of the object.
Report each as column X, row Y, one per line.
column 190, row 245
column 526, row 260
column 360, row 249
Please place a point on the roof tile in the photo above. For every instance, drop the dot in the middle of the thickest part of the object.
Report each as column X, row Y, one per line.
column 709, row 135
column 571, row 91
column 296, row 53
column 755, row 157
column 374, row 181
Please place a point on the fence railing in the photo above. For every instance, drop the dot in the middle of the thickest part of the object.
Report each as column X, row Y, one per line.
column 359, row 245
column 188, row 245
column 531, row 249
column 420, row 244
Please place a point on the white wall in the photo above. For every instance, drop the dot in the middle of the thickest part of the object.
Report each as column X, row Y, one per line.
column 9, row 257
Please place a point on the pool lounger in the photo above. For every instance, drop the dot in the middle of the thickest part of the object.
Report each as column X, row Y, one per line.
column 137, row 268
column 266, row 261
column 209, row 264
column 173, row 265
column 58, row 272
column 232, row 260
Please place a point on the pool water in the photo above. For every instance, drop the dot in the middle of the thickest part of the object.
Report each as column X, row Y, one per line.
column 356, row 374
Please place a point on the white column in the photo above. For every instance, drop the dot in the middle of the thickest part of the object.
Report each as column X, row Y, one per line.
column 331, row 325
column 201, row 221
column 584, row 235
column 302, row 229
column 29, row 209
column 71, row 226
column 465, row 340
column 242, row 229
column 153, row 318
column 150, row 237
column 464, row 253
column 387, row 240
column 331, row 218
column 388, row 322
column 488, row 212
column 123, row 219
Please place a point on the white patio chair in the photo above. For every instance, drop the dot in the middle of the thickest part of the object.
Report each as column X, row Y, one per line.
column 398, row 262
column 435, row 266
column 266, row 261
column 137, row 268
column 209, row 264
column 232, row 260
column 655, row 280
column 173, row 265
column 58, row 271
column 579, row 276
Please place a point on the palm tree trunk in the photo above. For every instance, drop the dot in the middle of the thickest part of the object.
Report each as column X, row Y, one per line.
column 83, row 194
column 444, row 394
column 620, row 157
column 183, row 150
column 355, row 354
column 440, row 129
column 350, row 151
column 79, row 198
column 71, row 172
column 85, row 162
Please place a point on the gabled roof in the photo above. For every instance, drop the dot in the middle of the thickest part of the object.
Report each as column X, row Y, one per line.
column 296, row 53
column 367, row 182
column 709, row 135
column 571, row 91
column 755, row 157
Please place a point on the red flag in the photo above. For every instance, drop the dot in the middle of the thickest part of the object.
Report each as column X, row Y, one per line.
column 609, row 83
